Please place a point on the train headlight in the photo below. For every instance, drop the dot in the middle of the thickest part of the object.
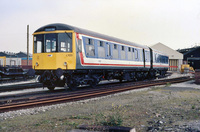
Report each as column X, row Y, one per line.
column 37, row 64
column 65, row 63
column 62, row 77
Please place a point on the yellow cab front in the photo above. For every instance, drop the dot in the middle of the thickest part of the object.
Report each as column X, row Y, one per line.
column 53, row 50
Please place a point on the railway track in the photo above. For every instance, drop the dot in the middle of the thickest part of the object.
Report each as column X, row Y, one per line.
column 27, row 102
column 17, row 85
column 12, row 87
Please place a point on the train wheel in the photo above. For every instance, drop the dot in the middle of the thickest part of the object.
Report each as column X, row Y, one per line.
column 93, row 84
column 72, row 85
column 51, row 88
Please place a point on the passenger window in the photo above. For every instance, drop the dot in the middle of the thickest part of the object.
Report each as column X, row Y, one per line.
column 115, row 46
column 90, row 51
column 115, row 51
column 101, row 43
column 129, row 49
column 101, row 49
column 122, row 48
column 89, row 41
column 129, row 53
column 123, row 53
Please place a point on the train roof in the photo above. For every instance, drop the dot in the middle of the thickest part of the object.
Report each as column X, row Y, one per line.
column 60, row 26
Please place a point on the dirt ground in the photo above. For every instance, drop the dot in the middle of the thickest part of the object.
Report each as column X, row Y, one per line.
column 169, row 107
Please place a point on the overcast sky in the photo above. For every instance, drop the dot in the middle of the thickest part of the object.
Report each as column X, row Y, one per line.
column 175, row 23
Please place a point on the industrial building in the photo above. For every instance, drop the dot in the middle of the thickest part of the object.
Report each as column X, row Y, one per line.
column 191, row 56
column 15, row 59
column 175, row 58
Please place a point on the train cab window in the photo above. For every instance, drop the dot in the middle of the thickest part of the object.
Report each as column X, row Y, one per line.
column 38, row 47
column 89, row 47
column 38, row 43
column 65, row 42
column 50, row 42
column 63, row 47
column 101, row 49
column 53, row 42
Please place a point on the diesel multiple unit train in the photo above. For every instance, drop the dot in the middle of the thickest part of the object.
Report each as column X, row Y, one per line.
column 65, row 55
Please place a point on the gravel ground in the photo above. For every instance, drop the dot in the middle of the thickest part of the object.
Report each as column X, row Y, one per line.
column 162, row 108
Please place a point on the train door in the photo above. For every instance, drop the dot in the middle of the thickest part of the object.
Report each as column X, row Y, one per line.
column 108, row 50
column 151, row 58
column 144, row 56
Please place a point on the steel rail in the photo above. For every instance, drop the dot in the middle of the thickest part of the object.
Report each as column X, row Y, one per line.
column 84, row 95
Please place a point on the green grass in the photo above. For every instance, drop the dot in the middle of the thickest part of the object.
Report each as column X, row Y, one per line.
column 80, row 117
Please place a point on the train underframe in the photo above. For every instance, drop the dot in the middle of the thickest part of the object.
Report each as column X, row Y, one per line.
column 12, row 72
column 74, row 78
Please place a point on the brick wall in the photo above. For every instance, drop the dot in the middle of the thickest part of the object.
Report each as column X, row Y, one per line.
column 24, row 62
